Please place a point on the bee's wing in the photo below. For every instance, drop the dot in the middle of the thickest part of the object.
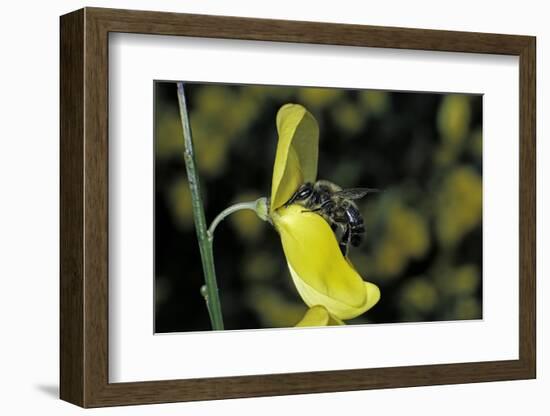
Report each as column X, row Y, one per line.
column 354, row 193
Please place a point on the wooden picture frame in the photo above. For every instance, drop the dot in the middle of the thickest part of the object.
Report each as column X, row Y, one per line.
column 84, row 207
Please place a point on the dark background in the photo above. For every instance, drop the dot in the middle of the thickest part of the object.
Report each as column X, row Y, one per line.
column 423, row 245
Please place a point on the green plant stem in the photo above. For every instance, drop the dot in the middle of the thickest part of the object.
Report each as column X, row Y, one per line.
column 205, row 243
column 228, row 211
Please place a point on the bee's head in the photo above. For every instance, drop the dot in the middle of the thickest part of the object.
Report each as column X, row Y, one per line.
column 303, row 193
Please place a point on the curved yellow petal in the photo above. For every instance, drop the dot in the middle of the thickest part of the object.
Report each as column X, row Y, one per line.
column 321, row 274
column 297, row 152
column 318, row 316
column 315, row 316
column 333, row 321
column 373, row 295
column 338, row 309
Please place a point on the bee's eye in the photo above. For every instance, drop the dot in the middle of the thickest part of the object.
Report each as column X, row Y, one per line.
column 304, row 193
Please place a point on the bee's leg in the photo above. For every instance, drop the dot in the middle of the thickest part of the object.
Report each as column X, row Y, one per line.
column 345, row 241
column 357, row 235
column 312, row 210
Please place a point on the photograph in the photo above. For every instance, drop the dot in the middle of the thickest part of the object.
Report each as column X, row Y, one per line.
column 299, row 206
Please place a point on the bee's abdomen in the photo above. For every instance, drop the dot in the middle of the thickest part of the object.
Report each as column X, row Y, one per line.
column 355, row 221
column 354, row 216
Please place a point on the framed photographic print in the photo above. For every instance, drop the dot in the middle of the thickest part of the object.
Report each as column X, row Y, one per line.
column 256, row 207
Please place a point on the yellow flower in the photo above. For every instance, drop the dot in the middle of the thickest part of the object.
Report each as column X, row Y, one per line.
column 325, row 279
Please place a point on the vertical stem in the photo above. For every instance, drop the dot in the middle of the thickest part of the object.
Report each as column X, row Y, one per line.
column 205, row 243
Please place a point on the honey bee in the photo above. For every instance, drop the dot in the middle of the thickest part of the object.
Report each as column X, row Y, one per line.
column 337, row 207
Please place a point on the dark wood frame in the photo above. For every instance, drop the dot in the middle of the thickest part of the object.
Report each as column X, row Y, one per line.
column 84, row 207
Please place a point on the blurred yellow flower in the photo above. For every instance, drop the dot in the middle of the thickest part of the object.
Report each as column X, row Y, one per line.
column 453, row 121
column 168, row 135
column 453, row 118
column 319, row 97
column 349, row 117
column 467, row 308
column 459, row 205
column 246, row 222
column 179, row 197
column 419, row 295
column 375, row 102
column 405, row 238
column 476, row 144
column 273, row 309
column 326, row 280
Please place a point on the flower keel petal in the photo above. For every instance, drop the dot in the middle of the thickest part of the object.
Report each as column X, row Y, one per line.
column 321, row 274
column 315, row 316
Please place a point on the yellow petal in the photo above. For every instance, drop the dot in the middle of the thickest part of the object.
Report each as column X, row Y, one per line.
column 321, row 274
column 319, row 316
column 333, row 321
column 315, row 316
column 297, row 152
column 338, row 308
